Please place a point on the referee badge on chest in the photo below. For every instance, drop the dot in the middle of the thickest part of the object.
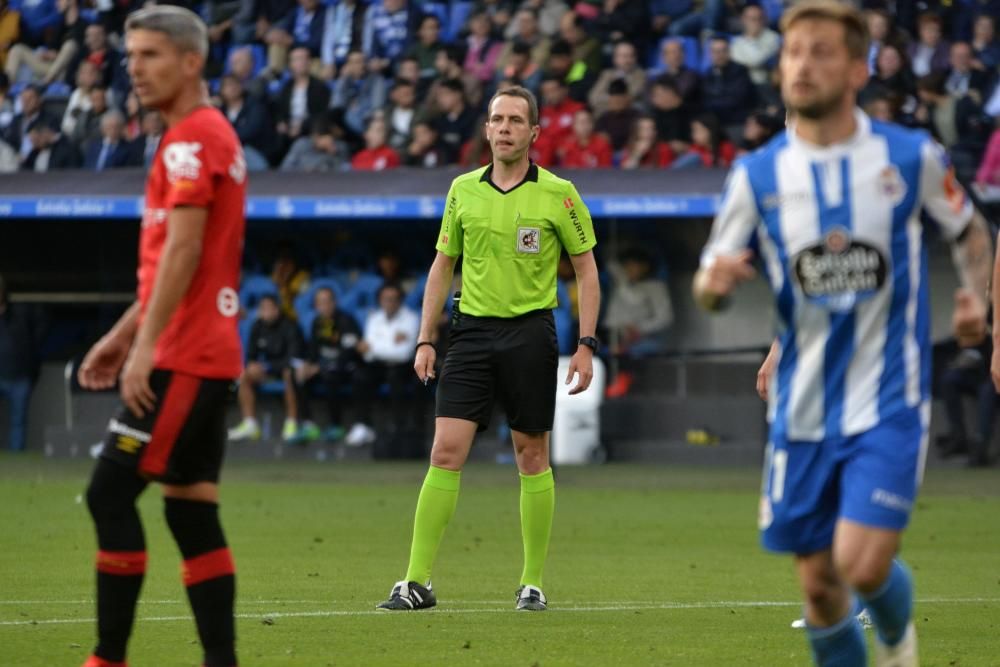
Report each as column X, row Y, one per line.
column 529, row 239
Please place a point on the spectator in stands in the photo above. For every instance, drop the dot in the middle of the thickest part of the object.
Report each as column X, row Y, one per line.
column 663, row 13
column 709, row 146
column 221, row 18
column 586, row 50
column 879, row 32
column 673, row 123
column 985, row 45
column 616, row 122
column 757, row 47
column 248, row 116
column 456, row 121
column 21, row 332
column 389, row 267
column 520, row 69
column 584, row 149
column 704, row 16
column 321, row 151
column 639, row 308
column 10, row 30
column 499, row 12
column 929, row 53
column 49, row 40
column 881, row 106
column 16, row 133
column 963, row 78
column 109, row 61
column 425, row 47
column 644, row 148
column 274, row 342
column 376, row 156
column 50, row 150
column 562, row 65
column 88, row 125
column 555, row 118
column 79, row 99
column 567, row 276
column 401, row 113
column 989, row 168
column 892, row 75
column 302, row 98
column 547, row 15
column 241, row 66
column 389, row 339
column 477, row 151
column 143, row 148
column 290, row 278
column 111, row 151
column 760, row 128
column 302, row 27
column 357, row 92
column 625, row 66
column 685, row 79
column 525, row 30
column 968, row 374
column 939, row 111
column 726, row 88
column 423, row 149
column 332, row 361
column 482, row 50
column 9, row 159
column 344, row 31
column 258, row 21
column 6, row 105
column 386, row 35
column 618, row 20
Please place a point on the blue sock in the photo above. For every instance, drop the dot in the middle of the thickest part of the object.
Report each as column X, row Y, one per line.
column 841, row 645
column 892, row 605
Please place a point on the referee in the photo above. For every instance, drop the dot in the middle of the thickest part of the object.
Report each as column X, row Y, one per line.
column 511, row 220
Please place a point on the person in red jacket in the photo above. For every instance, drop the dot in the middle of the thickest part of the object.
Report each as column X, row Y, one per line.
column 584, row 149
column 709, row 147
column 555, row 118
column 644, row 149
column 375, row 156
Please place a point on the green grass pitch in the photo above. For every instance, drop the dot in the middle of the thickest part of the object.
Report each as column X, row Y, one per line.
column 648, row 566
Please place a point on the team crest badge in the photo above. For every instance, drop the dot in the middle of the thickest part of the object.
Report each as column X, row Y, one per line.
column 528, row 239
column 891, row 185
column 837, row 241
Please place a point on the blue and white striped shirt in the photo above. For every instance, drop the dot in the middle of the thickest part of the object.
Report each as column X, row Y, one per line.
column 839, row 231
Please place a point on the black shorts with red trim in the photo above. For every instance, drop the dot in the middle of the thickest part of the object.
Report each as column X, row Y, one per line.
column 183, row 439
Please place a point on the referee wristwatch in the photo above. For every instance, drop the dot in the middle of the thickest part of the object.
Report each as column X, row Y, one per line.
column 590, row 342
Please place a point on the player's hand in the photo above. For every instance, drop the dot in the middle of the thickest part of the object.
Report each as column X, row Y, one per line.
column 581, row 364
column 766, row 372
column 718, row 280
column 969, row 319
column 135, row 390
column 100, row 368
column 423, row 363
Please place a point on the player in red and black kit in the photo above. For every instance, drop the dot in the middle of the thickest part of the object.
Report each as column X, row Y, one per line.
column 176, row 351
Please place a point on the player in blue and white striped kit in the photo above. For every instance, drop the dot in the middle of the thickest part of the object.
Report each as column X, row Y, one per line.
column 833, row 206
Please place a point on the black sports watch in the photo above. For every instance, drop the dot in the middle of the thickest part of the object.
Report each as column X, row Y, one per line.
column 590, row 342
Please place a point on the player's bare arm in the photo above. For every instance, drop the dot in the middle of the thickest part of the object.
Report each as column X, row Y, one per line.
column 435, row 292
column 715, row 282
column 995, row 299
column 766, row 371
column 972, row 254
column 181, row 255
column 589, row 287
column 104, row 361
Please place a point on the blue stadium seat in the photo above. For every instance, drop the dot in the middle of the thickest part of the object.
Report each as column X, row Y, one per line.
column 58, row 89
column 259, row 57
column 438, row 9
column 692, row 53
column 460, row 12
column 252, row 288
column 772, row 9
column 562, row 295
column 564, row 330
column 304, row 302
column 361, row 297
column 415, row 299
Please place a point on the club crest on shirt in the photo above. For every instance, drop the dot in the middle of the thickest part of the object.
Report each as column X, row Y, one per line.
column 891, row 184
column 528, row 239
column 182, row 162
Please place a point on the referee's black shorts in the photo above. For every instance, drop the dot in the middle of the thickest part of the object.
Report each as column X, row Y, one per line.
column 513, row 359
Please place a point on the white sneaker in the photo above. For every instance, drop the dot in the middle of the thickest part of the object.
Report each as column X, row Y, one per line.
column 360, row 435
column 903, row 654
column 864, row 618
column 245, row 430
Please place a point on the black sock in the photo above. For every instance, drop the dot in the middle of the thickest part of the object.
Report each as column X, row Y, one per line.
column 121, row 556
column 209, row 576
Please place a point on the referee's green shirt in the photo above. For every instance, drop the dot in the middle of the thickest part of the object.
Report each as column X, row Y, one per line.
column 511, row 241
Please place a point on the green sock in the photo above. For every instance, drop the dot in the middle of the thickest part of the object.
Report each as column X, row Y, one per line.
column 538, row 502
column 436, row 504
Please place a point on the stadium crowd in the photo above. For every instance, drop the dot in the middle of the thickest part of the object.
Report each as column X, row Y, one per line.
column 332, row 85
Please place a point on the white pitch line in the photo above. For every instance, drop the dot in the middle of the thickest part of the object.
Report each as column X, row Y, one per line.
column 439, row 611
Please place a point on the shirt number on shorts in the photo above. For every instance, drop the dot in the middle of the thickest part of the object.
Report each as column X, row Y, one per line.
column 779, row 464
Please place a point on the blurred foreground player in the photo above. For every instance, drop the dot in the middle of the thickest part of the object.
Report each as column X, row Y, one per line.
column 834, row 203
column 176, row 351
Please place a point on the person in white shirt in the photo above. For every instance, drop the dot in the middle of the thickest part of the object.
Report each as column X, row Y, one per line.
column 757, row 46
column 387, row 347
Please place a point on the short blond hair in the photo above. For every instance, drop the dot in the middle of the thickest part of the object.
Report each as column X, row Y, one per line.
column 855, row 28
